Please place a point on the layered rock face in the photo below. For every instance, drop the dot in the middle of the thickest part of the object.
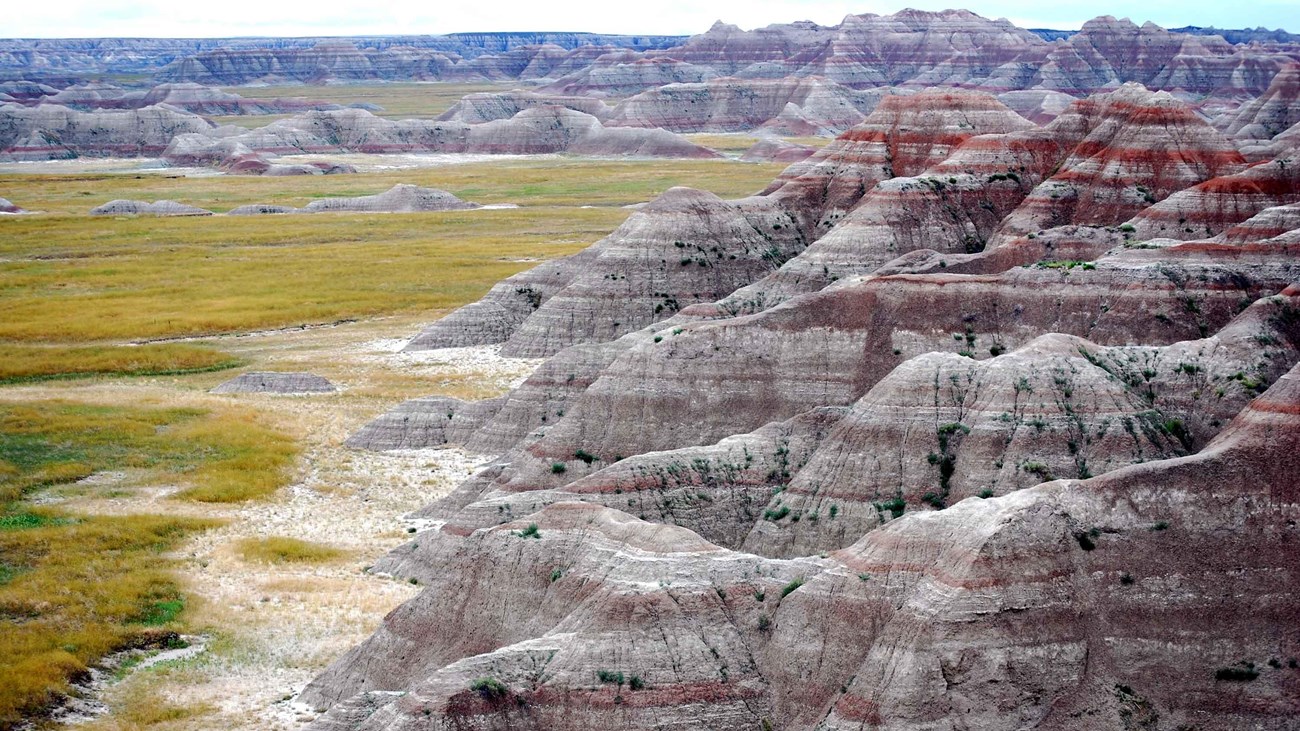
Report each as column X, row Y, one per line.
column 97, row 56
column 734, row 105
column 1052, row 605
column 690, row 247
column 994, row 455
column 1107, row 52
column 1138, row 149
column 187, row 97
column 546, row 129
column 486, row 107
column 53, row 132
column 1273, row 112
column 456, row 57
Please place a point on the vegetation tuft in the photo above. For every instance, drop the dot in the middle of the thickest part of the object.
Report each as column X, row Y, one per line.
column 281, row 549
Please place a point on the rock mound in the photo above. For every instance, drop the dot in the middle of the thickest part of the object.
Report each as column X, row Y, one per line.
column 144, row 208
column 7, row 207
column 276, row 383
column 773, row 150
column 401, row 198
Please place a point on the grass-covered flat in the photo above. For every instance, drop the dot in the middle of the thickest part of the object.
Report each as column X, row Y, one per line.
column 75, row 587
column 70, row 278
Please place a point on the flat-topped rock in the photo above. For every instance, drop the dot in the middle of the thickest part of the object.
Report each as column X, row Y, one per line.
column 276, row 383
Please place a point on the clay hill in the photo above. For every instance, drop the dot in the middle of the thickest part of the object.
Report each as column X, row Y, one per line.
column 964, row 422
column 50, row 131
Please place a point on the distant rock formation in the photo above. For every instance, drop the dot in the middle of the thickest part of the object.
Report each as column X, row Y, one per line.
column 8, row 207
column 64, row 57
column 775, row 150
column 734, row 105
column 1272, row 113
column 401, row 198
column 537, row 130
column 144, row 208
column 50, row 131
column 276, row 383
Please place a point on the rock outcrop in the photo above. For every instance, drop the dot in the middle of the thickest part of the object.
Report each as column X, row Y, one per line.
column 735, row 105
column 610, row 619
column 401, row 198
column 276, row 383
column 8, row 207
column 948, row 427
column 145, row 208
column 1273, row 112
column 775, row 150
column 53, row 132
column 538, row 130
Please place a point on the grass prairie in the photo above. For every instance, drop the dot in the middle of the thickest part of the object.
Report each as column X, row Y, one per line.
column 75, row 587
column 26, row 363
column 400, row 100
column 68, row 278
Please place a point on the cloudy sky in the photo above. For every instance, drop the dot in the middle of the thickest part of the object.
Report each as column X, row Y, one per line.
column 83, row 18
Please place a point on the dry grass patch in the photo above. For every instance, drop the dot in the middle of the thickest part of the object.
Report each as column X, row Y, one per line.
column 281, row 549
column 25, row 364
column 399, row 100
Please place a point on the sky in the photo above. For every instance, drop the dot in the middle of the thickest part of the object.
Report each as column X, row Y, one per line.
column 168, row 18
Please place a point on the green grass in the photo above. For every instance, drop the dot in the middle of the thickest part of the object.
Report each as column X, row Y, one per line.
column 25, row 364
column 75, row 587
column 221, row 457
column 280, row 549
column 69, row 278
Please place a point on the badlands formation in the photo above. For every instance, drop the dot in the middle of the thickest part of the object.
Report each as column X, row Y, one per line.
column 985, row 415
column 963, row 422
column 622, row 95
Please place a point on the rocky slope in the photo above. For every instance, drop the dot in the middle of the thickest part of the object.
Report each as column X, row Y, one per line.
column 976, row 393
column 689, row 247
column 537, row 130
column 52, row 132
column 971, row 612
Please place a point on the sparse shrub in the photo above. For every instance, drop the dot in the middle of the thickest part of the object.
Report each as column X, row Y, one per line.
column 558, row 468
column 790, row 587
column 585, row 456
column 636, row 683
column 530, row 532
column 1242, row 673
column 490, row 688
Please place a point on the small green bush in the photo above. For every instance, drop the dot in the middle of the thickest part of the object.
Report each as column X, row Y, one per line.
column 489, row 687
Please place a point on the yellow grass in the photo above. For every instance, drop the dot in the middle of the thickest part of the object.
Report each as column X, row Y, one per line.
column 281, row 549
column 70, row 278
column 399, row 100
column 24, row 363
